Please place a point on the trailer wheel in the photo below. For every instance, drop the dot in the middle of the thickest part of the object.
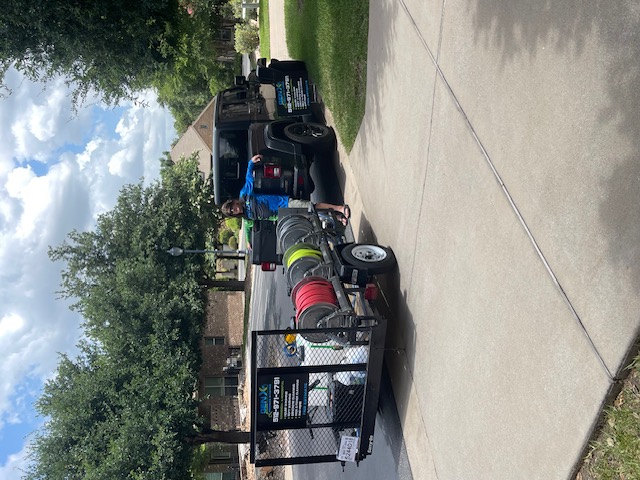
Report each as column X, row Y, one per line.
column 375, row 258
column 313, row 134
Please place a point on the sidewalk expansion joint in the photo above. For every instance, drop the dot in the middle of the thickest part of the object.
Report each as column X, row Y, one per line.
column 485, row 154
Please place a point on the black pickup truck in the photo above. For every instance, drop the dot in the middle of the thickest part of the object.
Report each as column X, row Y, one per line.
column 274, row 112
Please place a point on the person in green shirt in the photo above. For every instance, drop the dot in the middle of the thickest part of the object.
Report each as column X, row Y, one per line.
column 256, row 206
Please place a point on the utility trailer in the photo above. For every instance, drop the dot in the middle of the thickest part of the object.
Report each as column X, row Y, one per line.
column 315, row 386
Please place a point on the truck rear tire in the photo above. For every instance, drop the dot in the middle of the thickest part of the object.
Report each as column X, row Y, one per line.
column 374, row 258
column 313, row 134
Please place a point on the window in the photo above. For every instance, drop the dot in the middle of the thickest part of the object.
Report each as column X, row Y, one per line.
column 221, row 386
column 231, row 150
column 235, row 110
column 220, row 476
column 230, row 168
column 235, row 96
column 208, row 341
column 218, row 451
column 233, row 145
column 225, row 34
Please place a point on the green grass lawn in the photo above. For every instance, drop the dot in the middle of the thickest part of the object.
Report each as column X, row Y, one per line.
column 331, row 37
column 263, row 25
column 615, row 452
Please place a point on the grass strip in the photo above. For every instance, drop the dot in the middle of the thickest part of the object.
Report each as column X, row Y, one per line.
column 331, row 37
column 615, row 452
column 264, row 30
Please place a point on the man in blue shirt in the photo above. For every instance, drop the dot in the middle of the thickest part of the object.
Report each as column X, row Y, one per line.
column 256, row 206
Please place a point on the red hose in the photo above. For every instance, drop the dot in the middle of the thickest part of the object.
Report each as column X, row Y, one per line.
column 312, row 293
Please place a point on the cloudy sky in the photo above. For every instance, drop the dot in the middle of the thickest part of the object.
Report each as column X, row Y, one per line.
column 58, row 171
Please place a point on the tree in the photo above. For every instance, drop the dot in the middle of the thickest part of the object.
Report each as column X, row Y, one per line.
column 125, row 408
column 119, row 419
column 224, row 235
column 186, row 86
column 117, row 48
column 111, row 46
column 247, row 37
column 233, row 223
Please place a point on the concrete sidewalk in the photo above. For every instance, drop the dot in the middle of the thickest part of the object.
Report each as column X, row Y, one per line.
column 277, row 35
column 498, row 156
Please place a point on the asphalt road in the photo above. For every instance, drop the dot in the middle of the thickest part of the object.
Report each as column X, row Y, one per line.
column 389, row 459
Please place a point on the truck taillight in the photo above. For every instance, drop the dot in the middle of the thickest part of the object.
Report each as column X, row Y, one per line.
column 272, row 171
column 267, row 266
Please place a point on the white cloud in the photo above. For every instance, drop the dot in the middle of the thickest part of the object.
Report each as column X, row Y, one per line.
column 87, row 164
column 14, row 467
column 10, row 324
column 119, row 163
column 34, row 194
column 36, row 121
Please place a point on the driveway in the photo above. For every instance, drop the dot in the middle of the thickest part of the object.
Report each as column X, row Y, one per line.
column 498, row 157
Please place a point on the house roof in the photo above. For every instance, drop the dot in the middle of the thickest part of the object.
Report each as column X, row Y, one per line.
column 197, row 138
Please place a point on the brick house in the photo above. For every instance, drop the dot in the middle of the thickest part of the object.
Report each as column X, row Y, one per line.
column 221, row 378
column 225, row 44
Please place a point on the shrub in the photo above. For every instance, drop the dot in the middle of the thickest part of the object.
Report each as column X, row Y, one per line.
column 224, row 236
column 233, row 223
column 247, row 38
column 236, row 8
column 233, row 243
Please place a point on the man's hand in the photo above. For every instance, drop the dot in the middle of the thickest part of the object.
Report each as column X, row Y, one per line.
column 256, row 158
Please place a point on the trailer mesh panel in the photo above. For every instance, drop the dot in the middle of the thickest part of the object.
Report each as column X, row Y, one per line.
column 308, row 395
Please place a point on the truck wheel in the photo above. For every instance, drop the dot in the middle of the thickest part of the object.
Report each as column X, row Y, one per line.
column 374, row 258
column 309, row 133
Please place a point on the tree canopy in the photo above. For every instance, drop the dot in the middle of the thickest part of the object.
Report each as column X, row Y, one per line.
column 188, row 84
column 111, row 46
column 124, row 408
column 116, row 48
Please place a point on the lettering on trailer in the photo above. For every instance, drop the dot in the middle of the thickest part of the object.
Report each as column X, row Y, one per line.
column 276, row 399
column 292, row 95
column 288, row 104
column 280, row 92
column 282, row 400
column 264, row 395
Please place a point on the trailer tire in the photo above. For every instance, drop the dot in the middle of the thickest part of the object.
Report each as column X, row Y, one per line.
column 310, row 133
column 374, row 258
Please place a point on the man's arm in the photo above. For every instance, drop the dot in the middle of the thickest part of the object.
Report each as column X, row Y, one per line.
column 248, row 182
column 248, row 228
